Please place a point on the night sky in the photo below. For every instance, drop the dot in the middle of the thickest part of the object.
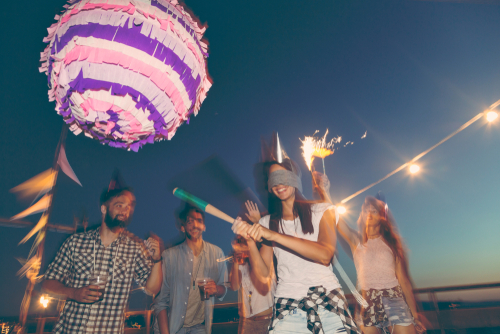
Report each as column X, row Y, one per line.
column 407, row 72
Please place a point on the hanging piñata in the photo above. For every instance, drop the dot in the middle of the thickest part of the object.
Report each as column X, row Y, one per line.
column 126, row 72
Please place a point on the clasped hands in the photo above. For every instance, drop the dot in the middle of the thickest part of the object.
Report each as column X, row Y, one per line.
column 256, row 232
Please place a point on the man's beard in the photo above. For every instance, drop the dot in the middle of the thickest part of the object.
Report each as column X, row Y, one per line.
column 112, row 223
column 189, row 236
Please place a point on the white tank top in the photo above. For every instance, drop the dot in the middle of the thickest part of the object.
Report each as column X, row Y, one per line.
column 375, row 265
column 251, row 300
column 296, row 274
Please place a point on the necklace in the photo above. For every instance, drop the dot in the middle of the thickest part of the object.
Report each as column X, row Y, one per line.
column 196, row 275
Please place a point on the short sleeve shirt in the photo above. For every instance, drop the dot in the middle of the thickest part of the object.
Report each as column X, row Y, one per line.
column 123, row 261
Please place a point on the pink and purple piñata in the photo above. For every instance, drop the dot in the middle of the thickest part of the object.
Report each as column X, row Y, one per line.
column 126, row 72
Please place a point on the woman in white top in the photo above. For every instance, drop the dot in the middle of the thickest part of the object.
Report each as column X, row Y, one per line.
column 382, row 271
column 302, row 235
column 255, row 296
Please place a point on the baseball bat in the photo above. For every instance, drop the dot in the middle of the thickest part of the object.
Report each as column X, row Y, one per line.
column 199, row 203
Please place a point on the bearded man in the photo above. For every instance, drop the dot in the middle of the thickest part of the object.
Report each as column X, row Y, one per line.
column 192, row 278
column 110, row 252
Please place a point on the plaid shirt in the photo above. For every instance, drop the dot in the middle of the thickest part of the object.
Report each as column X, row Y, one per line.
column 83, row 254
column 316, row 296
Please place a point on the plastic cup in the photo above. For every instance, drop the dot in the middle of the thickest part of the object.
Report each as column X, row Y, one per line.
column 99, row 280
column 201, row 282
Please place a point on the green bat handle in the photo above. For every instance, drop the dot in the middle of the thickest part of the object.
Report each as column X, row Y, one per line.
column 187, row 197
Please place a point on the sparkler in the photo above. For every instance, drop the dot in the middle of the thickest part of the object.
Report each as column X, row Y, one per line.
column 318, row 148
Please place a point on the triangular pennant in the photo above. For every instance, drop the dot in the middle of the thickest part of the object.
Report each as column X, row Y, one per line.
column 36, row 186
column 62, row 160
column 39, row 239
column 39, row 206
column 41, row 223
column 32, row 264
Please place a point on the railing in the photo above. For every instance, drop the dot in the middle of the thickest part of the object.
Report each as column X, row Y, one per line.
column 438, row 319
column 461, row 318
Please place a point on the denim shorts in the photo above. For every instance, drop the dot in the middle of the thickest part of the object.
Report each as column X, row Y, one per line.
column 387, row 307
column 397, row 313
column 296, row 322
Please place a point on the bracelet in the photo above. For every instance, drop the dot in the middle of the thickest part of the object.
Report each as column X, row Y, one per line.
column 155, row 262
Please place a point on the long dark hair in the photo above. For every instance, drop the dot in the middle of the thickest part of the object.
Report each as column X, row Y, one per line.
column 301, row 207
column 388, row 230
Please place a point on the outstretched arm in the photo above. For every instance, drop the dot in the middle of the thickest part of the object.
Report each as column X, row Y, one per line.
column 350, row 235
column 321, row 186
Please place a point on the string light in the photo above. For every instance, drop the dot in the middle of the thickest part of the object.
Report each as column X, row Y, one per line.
column 491, row 116
column 414, row 168
column 44, row 301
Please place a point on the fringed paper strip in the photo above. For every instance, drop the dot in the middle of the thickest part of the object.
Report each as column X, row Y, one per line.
column 125, row 72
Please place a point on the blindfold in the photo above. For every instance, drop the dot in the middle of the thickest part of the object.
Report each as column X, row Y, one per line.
column 285, row 178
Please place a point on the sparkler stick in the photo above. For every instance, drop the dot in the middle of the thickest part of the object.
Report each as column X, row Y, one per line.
column 208, row 208
column 224, row 259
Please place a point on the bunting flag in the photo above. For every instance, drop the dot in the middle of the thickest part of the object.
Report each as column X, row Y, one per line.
column 62, row 160
column 40, row 206
column 36, row 186
column 41, row 223
column 30, row 267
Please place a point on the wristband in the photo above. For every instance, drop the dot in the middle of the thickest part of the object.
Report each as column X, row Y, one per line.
column 155, row 262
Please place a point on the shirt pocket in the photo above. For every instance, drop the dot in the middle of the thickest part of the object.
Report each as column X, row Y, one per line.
column 123, row 269
column 83, row 264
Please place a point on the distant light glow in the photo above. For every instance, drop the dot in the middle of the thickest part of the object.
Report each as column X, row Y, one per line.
column 491, row 116
column 414, row 169
column 44, row 301
column 341, row 209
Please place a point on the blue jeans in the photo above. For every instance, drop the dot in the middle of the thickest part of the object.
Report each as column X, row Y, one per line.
column 296, row 322
column 197, row 329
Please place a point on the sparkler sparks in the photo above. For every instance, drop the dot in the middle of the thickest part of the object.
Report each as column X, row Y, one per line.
column 313, row 147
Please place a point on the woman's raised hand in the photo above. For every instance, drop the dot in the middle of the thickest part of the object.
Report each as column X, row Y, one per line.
column 253, row 212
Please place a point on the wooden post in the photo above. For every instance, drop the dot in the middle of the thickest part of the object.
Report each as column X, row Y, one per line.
column 148, row 321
